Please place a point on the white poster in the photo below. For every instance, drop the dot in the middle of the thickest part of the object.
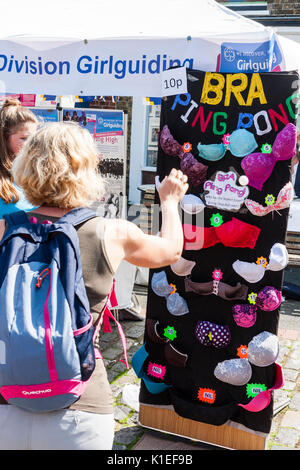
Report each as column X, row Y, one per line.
column 108, row 130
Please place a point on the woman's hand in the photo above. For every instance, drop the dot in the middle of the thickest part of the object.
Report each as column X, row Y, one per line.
column 173, row 187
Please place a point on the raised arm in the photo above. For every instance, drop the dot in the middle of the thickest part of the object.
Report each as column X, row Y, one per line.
column 126, row 241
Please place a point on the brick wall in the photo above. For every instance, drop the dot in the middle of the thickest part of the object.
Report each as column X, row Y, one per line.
column 284, row 7
column 277, row 7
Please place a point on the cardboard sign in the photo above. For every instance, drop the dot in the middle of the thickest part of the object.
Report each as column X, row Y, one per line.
column 224, row 193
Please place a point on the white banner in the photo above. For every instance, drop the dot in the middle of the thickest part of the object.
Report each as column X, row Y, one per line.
column 127, row 67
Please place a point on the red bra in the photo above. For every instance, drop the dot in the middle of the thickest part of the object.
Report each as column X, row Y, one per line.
column 234, row 234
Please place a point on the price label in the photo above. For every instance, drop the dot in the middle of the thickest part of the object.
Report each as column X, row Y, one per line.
column 174, row 81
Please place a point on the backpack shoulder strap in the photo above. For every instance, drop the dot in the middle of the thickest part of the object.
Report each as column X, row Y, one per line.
column 77, row 216
column 16, row 218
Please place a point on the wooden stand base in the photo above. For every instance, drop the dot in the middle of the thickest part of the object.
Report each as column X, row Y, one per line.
column 166, row 420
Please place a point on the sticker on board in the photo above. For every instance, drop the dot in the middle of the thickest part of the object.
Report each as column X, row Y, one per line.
column 222, row 192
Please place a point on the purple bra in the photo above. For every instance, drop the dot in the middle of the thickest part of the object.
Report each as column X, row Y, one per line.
column 210, row 334
column 244, row 315
column 258, row 167
column 268, row 299
column 195, row 170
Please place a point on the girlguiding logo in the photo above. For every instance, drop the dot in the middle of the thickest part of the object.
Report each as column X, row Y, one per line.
column 229, row 54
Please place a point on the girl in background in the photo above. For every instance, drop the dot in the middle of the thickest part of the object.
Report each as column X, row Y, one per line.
column 17, row 123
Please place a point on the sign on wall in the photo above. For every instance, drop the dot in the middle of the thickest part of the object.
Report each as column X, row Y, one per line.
column 108, row 130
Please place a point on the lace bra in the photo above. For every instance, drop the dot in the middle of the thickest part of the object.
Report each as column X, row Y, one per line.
column 195, row 171
column 258, row 167
column 284, row 198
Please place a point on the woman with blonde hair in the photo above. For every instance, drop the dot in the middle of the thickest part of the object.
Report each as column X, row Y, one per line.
column 16, row 124
column 57, row 170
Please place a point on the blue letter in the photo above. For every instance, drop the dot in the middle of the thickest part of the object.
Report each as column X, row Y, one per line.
column 50, row 67
column 241, row 122
column 120, row 72
column 2, row 56
column 178, row 100
column 87, row 67
column 61, row 64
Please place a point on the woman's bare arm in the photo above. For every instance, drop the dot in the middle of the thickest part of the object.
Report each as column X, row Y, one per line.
column 124, row 240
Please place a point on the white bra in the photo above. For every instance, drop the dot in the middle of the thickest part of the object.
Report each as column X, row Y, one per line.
column 191, row 204
column 253, row 272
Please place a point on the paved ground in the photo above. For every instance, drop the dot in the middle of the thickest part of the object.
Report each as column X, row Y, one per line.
column 285, row 432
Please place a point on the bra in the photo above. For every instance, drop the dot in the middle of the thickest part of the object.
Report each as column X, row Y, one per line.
column 210, row 334
column 258, row 167
column 172, row 355
column 234, row 234
column 268, row 299
column 155, row 370
column 284, row 198
column 263, row 398
column 219, row 288
column 176, row 305
column 254, row 272
column 262, row 351
column 189, row 203
column 195, row 171
column 183, row 267
column 192, row 204
column 244, row 315
column 240, row 143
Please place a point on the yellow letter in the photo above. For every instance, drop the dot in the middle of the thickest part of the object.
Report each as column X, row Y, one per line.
column 216, row 89
column 235, row 89
column 256, row 90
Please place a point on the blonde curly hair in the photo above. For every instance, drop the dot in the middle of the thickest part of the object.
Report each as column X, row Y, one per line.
column 58, row 167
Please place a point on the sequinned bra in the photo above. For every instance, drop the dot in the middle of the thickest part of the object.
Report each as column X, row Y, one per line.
column 195, row 171
column 258, row 167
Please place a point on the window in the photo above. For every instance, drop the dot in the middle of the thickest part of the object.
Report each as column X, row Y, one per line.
column 152, row 128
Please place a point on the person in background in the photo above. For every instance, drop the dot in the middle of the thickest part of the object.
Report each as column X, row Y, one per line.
column 17, row 123
column 57, row 170
column 67, row 116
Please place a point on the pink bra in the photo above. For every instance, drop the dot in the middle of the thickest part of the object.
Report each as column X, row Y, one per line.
column 263, row 399
column 195, row 171
column 258, row 167
column 234, row 234
column 283, row 201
